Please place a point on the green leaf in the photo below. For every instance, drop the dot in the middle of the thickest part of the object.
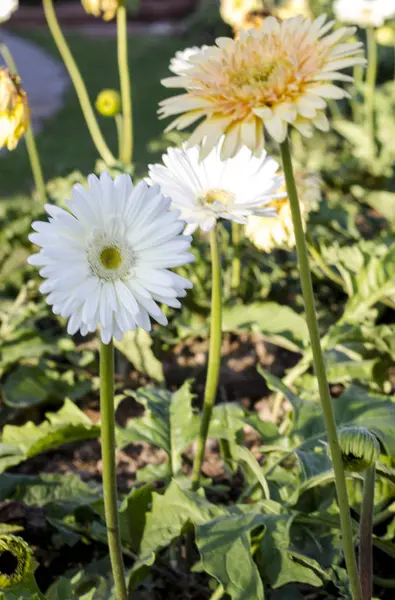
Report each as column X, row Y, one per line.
column 245, row 455
column 382, row 201
column 22, row 345
column 280, row 564
column 227, row 421
column 27, row 590
column 69, row 424
column 137, row 347
column 280, row 324
column 132, row 516
column 222, row 538
column 29, row 386
column 356, row 406
column 374, row 282
column 225, row 549
column 169, row 422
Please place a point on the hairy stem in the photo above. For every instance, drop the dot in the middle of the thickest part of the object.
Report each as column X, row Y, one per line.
column 214, row 357
column 320, row 371
column 371, row 80
column 126, row 94
column 78, row 82
column 366, row 534
column 109, row 466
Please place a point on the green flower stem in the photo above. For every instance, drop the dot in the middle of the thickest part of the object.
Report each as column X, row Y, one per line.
column 78, row 83
column 371, row 80
column 214, row 357
column 236, row 262
column 126, row 94
column 31, row 146
column 35, row 164
column 319, row 365
column 109, row 467
column 366, row 534
column 119, row 125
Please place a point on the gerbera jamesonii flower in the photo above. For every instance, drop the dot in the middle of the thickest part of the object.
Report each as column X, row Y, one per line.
column 276, row 76
column 14, row 110
column 207, row 190
column 268, row 234
column 107, row 261
column 365, row 13
column 7, row 7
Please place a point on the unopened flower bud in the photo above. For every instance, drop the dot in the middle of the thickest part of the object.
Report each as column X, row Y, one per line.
column 108, row 103
column 107, row 9
column 16, row 560
column 359, row 447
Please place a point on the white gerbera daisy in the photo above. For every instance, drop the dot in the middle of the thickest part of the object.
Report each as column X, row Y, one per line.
column 365, row 13
column 209, row 189
column 106, row 261
column 7, row 7
column 181, row 60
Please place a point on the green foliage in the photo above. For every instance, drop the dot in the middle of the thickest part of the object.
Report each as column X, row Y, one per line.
column 69, row 424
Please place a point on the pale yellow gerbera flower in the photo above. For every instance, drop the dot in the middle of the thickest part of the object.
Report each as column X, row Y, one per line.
column 278, row 232
column 279, row 75
column 234, row 12
column 14, row 110
column 107, row 9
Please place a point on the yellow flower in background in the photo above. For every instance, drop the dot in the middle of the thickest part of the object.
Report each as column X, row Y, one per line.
column 107, row 9
column 108, row 103
column 276, row 76
column 278, row 232
column 14, row 110
column 292, row 8
column 234, row 12
column 386, row 36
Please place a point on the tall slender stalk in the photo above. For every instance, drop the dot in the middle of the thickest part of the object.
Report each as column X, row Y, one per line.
column 236, row 262
column 371, row 80
column 366, row 534
column 107, row 413
column 31, row 146
column 78, row 82
column 319, row 366
column 126, row 93
column 214, row 356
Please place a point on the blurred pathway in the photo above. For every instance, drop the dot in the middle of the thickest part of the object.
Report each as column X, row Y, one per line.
column 44, row 78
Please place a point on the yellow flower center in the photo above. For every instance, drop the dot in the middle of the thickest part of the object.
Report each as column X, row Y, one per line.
column 217, row 195
column 111, row 258
column 253, row 76
column 278, row 203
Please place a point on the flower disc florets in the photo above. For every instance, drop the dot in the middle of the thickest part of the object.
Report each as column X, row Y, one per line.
column 279, row 75
column 107, row 261
column 211, row 189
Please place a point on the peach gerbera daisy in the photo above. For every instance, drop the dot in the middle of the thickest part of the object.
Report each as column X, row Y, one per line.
column 279, row 75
